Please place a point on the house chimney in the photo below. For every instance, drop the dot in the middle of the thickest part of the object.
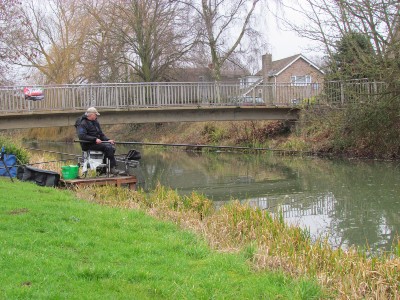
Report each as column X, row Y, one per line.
column 266, row 66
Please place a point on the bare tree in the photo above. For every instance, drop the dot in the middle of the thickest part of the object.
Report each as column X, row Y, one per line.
column 155, row 34
column 53, row 35
column 9, row 15
column 329, row 21
column 130, row 40
column 226, row 29
column 102, row 52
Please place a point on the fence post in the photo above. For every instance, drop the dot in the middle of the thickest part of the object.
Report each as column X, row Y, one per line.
column 73, row 98
column 341, row 93
column 158, row 94
column 63, row 96
column 218, row 91
column 91, row 96
column 117, row 96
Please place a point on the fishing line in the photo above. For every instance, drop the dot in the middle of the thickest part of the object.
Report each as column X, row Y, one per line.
column 50, row 151
column 201, row 146
column 39, row 163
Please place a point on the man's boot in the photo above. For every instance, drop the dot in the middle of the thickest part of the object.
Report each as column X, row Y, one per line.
column 114, row 171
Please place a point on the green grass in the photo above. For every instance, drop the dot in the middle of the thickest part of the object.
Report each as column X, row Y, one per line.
column 54, row 246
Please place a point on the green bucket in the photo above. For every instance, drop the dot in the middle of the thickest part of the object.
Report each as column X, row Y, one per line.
column 70, row 172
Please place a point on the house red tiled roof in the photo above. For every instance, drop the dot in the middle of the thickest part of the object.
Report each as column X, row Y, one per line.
column 278, row 66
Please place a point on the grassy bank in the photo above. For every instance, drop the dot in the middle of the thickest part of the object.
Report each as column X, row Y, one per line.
column 267, row 242
column 54, row 246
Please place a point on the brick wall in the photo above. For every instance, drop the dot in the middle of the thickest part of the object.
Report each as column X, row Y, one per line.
column 299, row 68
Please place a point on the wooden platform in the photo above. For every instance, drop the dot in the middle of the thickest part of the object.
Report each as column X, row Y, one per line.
column 130, row 181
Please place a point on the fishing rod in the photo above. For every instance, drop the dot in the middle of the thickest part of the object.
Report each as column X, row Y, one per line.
column 193, row 146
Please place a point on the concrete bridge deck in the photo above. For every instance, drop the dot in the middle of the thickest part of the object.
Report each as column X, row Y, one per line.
column 58, row 118
column 159, row 102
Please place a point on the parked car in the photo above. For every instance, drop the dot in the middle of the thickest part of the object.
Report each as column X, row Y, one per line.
column 303, row 102
column 33, row 93
column 248, row 101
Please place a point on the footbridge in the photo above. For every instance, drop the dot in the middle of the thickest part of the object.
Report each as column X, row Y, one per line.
column 150, row 103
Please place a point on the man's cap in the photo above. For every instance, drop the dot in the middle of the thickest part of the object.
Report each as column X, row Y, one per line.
column 92, row 110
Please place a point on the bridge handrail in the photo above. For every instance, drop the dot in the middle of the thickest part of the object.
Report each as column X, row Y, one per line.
column 177, row 94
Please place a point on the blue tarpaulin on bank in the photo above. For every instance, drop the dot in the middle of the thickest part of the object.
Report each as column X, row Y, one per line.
column 10, row 160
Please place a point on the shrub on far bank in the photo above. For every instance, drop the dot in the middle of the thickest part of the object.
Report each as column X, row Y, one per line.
column 362, row 128
column 11, row 147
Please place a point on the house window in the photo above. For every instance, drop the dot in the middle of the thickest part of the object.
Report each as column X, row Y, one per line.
column 301, row 80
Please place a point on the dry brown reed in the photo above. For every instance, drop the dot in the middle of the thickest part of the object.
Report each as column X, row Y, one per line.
column 268, row 241
column 61, row 134
column 47, row 161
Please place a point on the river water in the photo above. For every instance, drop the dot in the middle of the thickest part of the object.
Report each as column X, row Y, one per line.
column 352, row 202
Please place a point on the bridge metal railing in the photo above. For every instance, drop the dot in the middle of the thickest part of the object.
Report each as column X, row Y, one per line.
column 194, row 94
column 340, row 93
column 159, row 94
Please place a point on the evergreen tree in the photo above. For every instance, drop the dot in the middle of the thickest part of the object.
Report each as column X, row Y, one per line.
column 354, row 58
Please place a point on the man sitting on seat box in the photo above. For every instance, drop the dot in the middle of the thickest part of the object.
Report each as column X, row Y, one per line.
column 89, row 130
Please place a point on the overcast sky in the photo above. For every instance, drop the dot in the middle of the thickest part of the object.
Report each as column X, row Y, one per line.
column 284, row 43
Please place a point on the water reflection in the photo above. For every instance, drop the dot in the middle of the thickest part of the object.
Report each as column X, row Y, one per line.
column 354, row 202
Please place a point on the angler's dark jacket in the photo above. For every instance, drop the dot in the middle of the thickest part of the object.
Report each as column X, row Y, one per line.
column 89, row 131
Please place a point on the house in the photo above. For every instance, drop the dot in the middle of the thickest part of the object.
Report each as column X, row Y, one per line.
column 294, row 79
column 296, row 70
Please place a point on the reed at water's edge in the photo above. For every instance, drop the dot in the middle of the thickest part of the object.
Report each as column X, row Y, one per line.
column 266, row 240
